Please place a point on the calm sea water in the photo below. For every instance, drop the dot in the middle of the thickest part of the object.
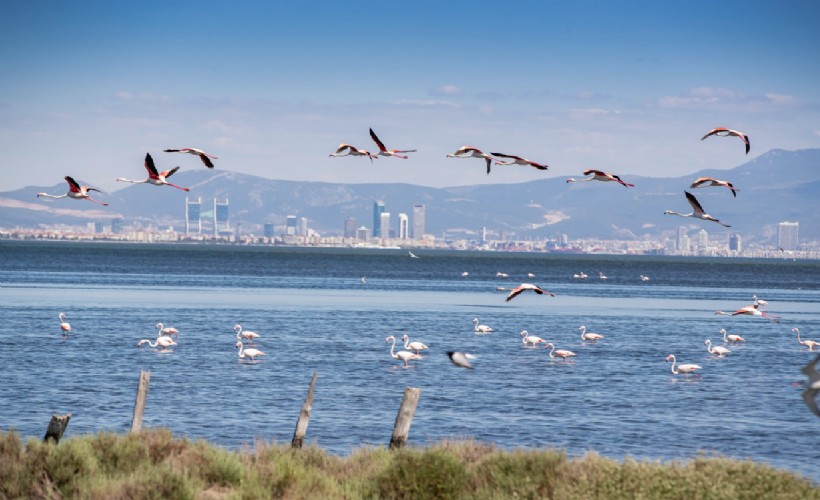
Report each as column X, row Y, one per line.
column 618, row 398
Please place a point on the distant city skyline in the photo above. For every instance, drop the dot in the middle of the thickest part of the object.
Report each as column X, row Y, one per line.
column 272, row 88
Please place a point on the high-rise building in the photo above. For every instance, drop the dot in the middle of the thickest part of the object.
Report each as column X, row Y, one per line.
column 419, row 215
column 378, row 210
column 220, row 216
column 290, row 225
column 384, row 224
column 362, row 234
column 302, row 228
column 350, row 227
column 703, row 240
column 404, row 226
column 268, row 230
column 735, row 243
column 787, row 235
column 116, row 225
column 193, row 211
column 682, row 243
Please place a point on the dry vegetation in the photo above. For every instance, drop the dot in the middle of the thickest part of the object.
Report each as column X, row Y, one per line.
column 154, row 464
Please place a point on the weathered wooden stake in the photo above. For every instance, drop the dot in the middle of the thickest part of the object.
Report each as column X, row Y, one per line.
column 57, row 427
column 405, row 417
column 139, row 405
column 304, row 417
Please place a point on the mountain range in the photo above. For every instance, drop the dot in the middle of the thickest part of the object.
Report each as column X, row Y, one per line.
column 774, row 187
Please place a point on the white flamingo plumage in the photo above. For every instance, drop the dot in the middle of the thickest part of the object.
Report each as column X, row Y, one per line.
column 561, row 353
column 166, row 330
column 405, row 356
column 244, row 334
column 716, row 350
column 811, row 344
column 759, row 302
column 383, row 151
column 415, row 346
column 75, row 192
column 644, row 278
column 480, row 328
column 348, row 150
column 731, row 338
column 697, row 211
column 751, row 310
column 523, row 287
column 532, row 340
column 163, row 341
column 250, row 353
column 702, row 182
column 517, row 160
column 727, row 132
column 473, row 152
column 589, row 336
column 598, row 175
column 205, row 157
column 685, row 368
column 155, row 177
column 65, row 327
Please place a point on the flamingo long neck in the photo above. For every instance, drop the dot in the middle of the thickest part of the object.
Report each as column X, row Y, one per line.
column 238, row 330
column 148, row 341
column 709, row 348
column 62, row 317
column 670, row 212
column 52, row 196
column 123, row 179
column 406, row 342
column 674, row 360
column 551, row 352
column 241, row 349
column 392, row 347
column 798, row 335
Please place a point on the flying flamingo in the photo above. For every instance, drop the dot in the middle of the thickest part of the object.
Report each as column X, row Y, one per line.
column 517, row 160
column 248, row 353
column 413, row 346
column 205, row 157
column 461, row 359
column 697, row 213
column 348, row 150
column 383, row 151
column 472, row 152
column 598, row 175
column 727, row 132
column 808, row 343
column 716, row 350
column 702, row 182
column 751, row 310
column 686, row 369
column 589, row 336
column 164, row 342
column 242, row 334
column 812, row 386
column 532, row 340
column 644, row 278
column 515, row 292
column 155, row 177
column 402, row 355
column 480, row 328
column 75, row 191
column 728, row 337
column 65, row 327
column 163, row 330
column 561, row 353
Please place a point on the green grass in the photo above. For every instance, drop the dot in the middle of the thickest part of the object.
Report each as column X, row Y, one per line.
column 154, row 464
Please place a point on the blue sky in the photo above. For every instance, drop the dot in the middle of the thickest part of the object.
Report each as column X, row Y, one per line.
column 272, row 88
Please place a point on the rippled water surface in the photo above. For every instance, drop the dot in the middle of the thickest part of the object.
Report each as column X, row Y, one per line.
column 618, row 397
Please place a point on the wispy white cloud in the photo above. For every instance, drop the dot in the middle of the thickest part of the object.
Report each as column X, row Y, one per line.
column 701, row 97
column 447, row 90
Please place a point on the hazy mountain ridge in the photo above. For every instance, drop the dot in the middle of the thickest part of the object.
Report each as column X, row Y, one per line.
column 778, row 185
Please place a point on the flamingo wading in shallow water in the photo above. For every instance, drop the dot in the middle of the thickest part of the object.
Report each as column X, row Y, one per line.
column 249, row 353
column 716, row 350
column 532, row 340
column 155, row 177
column 413, row 346
column 685, row 368
column 728, row 337
column 561, row 353
column 65, row 327
column 166, row 330
column 589, row 336
column 164, row 342
column 205, row 157
column 405, row 356
column 808, row 343
column 75, row 191
column 480, row 328
column 697, row 211
column 598, row 175
column 242, row 334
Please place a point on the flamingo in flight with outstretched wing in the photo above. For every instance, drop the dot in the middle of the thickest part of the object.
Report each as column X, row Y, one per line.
column 383, row 151
column 348, row 150
column 701, row 182
column 75, row 191
column 473, row 152
column 515, row 292
column 155, row 177
column 727, row 132
column 205, row 157
column 517, row 160
column 697, row 212
column 599, row 175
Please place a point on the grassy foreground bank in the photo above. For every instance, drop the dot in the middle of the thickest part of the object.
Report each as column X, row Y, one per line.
column 154, row 464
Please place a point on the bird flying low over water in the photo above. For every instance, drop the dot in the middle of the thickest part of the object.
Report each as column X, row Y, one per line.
column 598, row 175
column 348, row 150
column 383, row 151
column 727, row 132
column 75, row 191
column 473, row 152
column 205, row 157
column 702, row 182
column 523, row 287
column 697, row 213
column 461, row 359
column 154, row 176
column 751, row 310
column 812, row 386
column 517, row 160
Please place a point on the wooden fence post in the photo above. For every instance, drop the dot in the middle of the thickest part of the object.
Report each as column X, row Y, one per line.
column 139, row 405
column 56, row 427
column 304, row 417
column 405, row 417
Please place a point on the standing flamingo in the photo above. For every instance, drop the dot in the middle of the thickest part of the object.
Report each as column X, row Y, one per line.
column 65, row 327
column 532, row 340
column 561, row 353
column 727, row 132
column 164, row 342
column 716, row 350
column 205, row 157
column 242, row 334
column 686, row 369
column 589, row 336
column 348, row 150
column 808, row 343
column 383, row 151
column 731, row 338
column 413, row 346
column 473, row 152
column 163, row 330
column 751, row 310
column 75, row 191
column 155, row 177
column 402, row 355
column 598, row 175
column 517, row 160
column 701, row 182
column 697, row 211
column 480, row 328
column 248, row 353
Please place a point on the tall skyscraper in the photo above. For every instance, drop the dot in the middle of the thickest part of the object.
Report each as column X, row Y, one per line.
column 302, row 228
column 404, row 223
column 378, row 210
column 683, row 239
column 193, row 210
column 787, row 235
column 290, row 225
column 384, row 225
column 350, row 227
column 268, row 229
column 419, row 214
column 220, row 216
column 703, row 240
column 362, row 234
column 116, row 225
column 735, row 243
